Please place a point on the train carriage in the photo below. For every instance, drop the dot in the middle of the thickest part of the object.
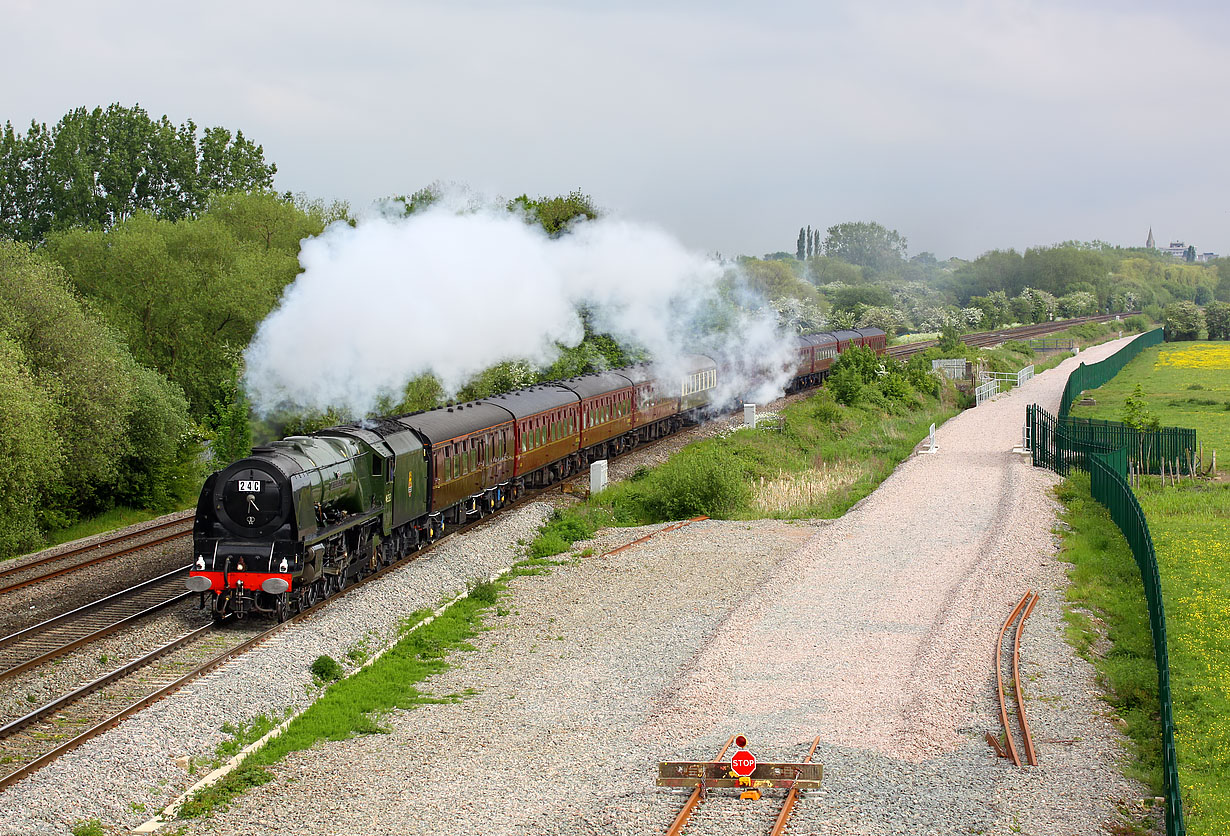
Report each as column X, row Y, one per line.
column 607, row 406
column 698, row 385
column 546, row 422
column 655, row 405
column 470, row 446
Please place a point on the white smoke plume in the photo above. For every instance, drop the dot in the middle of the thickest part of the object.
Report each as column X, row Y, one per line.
column 453, row 290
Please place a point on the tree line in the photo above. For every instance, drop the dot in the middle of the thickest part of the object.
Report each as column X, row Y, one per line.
column 860, row 273
column 95, row 168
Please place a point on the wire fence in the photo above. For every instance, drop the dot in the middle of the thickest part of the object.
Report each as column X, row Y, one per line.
column 1107, row 449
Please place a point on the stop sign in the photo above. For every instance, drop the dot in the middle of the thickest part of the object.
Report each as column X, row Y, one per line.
column 743, row 763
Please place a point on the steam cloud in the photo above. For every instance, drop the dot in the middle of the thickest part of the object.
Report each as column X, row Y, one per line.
column 452, row 292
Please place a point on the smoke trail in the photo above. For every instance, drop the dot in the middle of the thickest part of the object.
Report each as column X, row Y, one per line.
column 454, row 292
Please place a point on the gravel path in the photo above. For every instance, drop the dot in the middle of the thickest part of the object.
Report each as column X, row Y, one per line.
column 875, row 631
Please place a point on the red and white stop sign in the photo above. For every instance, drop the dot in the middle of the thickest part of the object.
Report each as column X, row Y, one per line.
column 743, row 763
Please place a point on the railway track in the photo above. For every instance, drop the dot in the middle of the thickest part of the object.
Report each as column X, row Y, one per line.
column 1015, row 723
column 988, row 338
column 51, row 730
column 54, row 637
column 42, row 569
column 732, row 814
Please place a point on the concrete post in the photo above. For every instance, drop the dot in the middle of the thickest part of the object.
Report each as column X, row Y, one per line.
column 597, row 476
column 749, row 414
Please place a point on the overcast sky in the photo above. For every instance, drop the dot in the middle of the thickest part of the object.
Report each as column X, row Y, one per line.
column 964, row 126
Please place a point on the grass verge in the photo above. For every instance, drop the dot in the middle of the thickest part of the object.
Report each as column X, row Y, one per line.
column 1108, row 622
column 1186, row 384
column 1190, row 527
column 355, row 705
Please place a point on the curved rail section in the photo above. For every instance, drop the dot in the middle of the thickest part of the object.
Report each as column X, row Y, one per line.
column 1018, row 615
column 164, row 684
column 183, row 529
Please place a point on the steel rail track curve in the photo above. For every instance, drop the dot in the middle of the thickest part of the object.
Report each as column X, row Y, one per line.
column 204, row 668
column 1023, row 608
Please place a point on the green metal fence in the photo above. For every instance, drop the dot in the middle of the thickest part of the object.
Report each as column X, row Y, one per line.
column 1095, row 374
column 1108, row 474
column 1063, row 443
column 1105, row 448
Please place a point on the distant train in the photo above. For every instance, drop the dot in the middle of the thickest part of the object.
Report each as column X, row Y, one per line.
column 301, row 518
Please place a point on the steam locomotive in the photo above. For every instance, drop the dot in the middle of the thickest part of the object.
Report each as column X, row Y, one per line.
column 301, row 518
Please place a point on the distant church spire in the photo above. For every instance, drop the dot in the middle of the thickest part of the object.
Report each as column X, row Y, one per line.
column 1149, row 241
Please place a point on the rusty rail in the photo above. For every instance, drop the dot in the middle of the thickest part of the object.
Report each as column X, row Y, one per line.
column 652, row 534
column 1030, row 755
column 1023, row 608
column 779, row 826
column 681, row 820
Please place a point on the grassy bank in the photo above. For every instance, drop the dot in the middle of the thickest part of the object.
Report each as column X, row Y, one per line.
column 1108, row 621
column 817, row 458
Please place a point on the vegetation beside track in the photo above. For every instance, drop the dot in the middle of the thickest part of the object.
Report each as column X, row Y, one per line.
column 1182, row 384
column 354, row 705
column 815, row 459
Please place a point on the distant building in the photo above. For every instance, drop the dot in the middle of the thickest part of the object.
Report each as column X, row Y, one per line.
column 1178, row 250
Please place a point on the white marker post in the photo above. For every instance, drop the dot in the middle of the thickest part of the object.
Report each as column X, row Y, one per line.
column 933, row 448
column 749, row 414
column 597, row 476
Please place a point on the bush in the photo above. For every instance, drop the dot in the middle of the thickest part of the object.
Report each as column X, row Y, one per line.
column 327, row 669
column 485, row 592
column 700, row 480
column 1136, row 324
column 846, row 385
column 1217, row 318
column 1184, row 321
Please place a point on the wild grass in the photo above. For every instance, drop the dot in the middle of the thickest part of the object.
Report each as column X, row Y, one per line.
column 1106, row 582
column 356, row 704
column 793, row 493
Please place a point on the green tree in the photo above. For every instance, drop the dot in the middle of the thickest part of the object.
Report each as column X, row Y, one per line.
column 96, row 168
column 1217, row 319
column 800, row 251
column 184, row 294
column 1136, row 411
column 30, row 456
column 855, row 298
column 121, row 430
column 556, row 214
column 229, row 421
column 1184, row 321
column 866, row 244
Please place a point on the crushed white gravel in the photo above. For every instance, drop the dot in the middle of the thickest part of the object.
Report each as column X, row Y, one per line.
column 875, row 632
